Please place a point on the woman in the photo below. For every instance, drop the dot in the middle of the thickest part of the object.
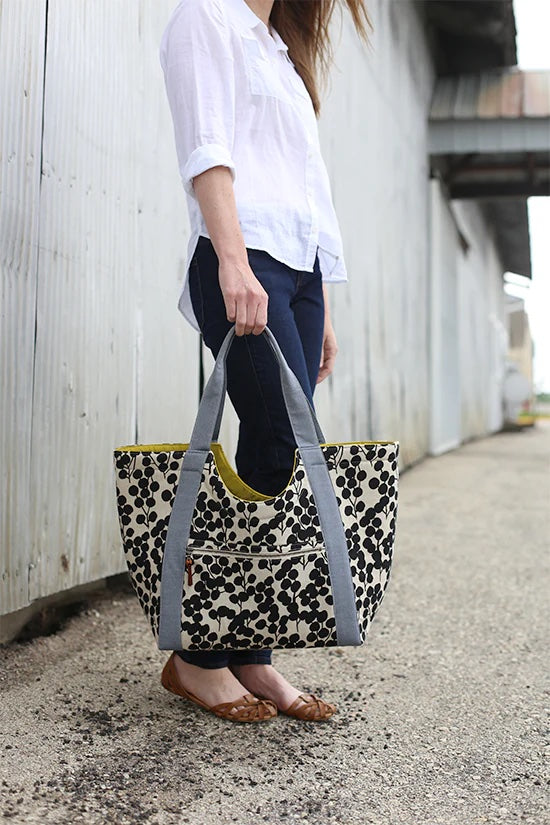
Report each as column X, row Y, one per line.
column 240, row 80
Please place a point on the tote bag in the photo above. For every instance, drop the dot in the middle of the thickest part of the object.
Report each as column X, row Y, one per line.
column 216, row 565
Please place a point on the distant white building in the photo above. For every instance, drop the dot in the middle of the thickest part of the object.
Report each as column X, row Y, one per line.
column 520, row 343
column 518, row 389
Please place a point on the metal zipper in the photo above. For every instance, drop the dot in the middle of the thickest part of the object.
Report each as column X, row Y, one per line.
column 235, row 554
column 189, row 568
column 264, row 555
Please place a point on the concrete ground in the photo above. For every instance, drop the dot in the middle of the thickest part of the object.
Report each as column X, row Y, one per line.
column 440, row 716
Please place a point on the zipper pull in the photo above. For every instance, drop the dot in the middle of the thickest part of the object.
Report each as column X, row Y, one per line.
column 189, row 568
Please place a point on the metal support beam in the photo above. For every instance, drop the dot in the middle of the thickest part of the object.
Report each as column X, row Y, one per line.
column 500, row 189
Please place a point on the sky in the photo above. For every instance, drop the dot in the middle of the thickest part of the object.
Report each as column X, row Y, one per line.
column 533, row 25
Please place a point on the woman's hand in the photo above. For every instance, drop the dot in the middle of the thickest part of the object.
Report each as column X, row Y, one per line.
column 330, row 348
column 244, row 296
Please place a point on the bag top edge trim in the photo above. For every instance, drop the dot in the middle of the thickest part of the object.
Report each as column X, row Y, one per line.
column 151, row 448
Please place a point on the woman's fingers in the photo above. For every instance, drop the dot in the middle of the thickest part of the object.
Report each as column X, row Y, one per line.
column 231, row 309
column 241, row 316
column 257, row 315
column 251, row 315
column 252, row 312
column 260, row 321
column 323, row 373
column 328, row 358
column 326, row 369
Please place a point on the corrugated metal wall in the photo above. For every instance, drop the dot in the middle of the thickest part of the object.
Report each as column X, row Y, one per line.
column 421, row 321
column 483, row 337
column 93, row 236
column 444, row 325
column 467, row 322
column 374, row 133
column 22, row 40
column 93, row 239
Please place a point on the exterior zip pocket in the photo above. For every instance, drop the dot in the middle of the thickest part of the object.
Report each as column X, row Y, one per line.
column 267, row 597
column 194, row 551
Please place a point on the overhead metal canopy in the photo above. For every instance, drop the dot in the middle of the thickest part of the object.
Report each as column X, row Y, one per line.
column 489, row 133
column 471, row 35
column 489, row 139
column 511, row 221
column 489, row 129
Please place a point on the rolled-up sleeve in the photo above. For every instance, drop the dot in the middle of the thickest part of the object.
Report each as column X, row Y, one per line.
column 196, row 57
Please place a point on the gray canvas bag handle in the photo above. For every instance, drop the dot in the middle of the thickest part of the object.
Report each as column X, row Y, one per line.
column 308, row 436
column 320, row 437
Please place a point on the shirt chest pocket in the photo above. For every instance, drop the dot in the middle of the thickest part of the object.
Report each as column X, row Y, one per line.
column 262, row 76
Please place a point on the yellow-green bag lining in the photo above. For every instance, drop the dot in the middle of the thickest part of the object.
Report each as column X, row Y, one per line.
column 232, row 481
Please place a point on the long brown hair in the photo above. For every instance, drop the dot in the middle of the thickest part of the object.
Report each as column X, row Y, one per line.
column 304, row 27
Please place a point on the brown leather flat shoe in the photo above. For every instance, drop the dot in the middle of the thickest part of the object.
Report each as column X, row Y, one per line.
column 247, row 708
column 309, row 708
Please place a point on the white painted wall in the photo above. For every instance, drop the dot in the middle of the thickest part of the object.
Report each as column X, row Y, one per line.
column 93, row 236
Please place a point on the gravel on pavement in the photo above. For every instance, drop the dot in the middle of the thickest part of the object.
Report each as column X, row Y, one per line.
column 441, row 715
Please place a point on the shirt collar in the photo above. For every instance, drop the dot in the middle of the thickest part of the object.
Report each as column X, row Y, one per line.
column 248, row 20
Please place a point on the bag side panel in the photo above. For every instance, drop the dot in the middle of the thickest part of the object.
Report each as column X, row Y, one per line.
column 365, row 478
column 146, row 484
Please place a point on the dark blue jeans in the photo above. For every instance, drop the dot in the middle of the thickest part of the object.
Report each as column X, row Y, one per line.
column 266, row 446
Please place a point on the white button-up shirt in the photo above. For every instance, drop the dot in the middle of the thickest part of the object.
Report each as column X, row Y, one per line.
column 237, row 101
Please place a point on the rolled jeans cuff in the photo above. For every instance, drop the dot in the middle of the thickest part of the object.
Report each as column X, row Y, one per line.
column 212, row 659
